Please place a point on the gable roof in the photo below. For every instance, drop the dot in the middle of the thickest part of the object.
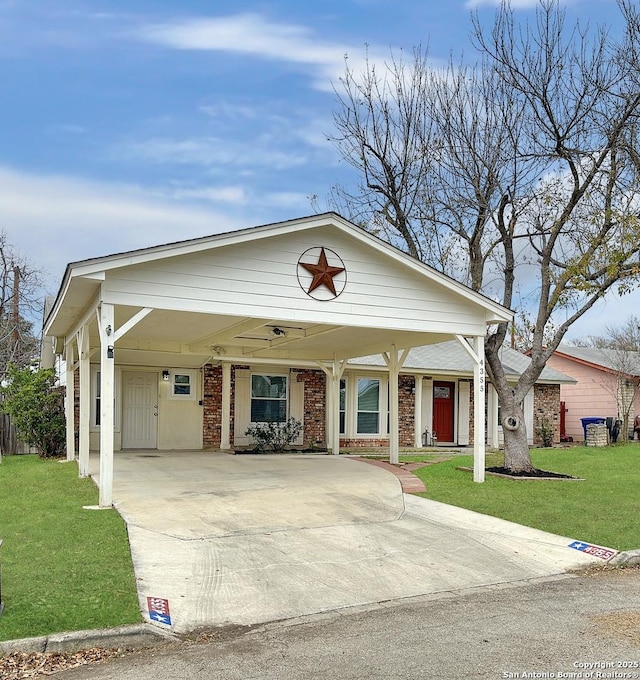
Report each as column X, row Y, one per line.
column 607, row 359
column 82, row 278
column 451, row 358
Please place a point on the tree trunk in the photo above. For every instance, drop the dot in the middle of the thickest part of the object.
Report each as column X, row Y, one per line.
column 516, row 447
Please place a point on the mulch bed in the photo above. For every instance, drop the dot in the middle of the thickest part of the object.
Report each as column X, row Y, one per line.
column 529, row 474
column 505, row 473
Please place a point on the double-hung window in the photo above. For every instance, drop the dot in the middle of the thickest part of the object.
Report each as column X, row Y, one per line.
column 368, row 417
column 268, row 398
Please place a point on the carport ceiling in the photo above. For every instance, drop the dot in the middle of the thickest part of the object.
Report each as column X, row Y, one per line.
column 190, row 339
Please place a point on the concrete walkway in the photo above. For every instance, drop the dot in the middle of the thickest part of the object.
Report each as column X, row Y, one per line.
column 247, row 539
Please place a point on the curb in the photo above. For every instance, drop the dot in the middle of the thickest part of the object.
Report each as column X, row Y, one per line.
column 128, row 637
column 628, row 558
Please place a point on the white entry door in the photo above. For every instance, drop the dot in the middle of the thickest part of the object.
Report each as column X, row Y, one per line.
column 139, row 410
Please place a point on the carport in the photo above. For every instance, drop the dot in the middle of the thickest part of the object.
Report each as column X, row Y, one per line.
column 311, row 292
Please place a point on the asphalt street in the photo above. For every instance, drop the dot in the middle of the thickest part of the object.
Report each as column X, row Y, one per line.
column 585, row 626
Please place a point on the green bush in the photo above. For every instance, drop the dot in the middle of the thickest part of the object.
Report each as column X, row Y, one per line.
column 276, row 436
column 36, row 408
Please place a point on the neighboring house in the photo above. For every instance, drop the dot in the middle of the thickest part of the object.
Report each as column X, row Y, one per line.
column 183, row 345
column 606, row 385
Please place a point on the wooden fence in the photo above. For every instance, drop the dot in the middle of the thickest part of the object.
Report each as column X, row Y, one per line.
column 10, row 443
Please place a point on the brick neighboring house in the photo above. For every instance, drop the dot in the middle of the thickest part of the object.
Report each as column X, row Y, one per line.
column 606, row 385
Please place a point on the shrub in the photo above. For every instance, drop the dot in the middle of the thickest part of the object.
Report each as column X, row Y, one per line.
column 36, row 408
column 276, row 436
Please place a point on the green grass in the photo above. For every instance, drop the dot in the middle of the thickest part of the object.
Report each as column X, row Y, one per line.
column 63, row 568
column 604, row 509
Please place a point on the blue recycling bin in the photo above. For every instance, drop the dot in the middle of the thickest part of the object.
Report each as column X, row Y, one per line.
column 591, row 420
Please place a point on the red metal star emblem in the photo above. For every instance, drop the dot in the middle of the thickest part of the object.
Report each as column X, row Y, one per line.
column 322, row 273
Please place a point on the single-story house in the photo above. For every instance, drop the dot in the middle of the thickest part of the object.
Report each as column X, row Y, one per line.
column 183, row 345
column 606, row 385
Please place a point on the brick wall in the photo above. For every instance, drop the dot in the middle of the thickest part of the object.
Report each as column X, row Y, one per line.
column 406, row 408
column 355, row 443
column 546, row 405
column 212, row 407
column 314, row 406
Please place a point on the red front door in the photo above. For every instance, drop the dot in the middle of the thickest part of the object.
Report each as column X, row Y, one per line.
column 443, row 410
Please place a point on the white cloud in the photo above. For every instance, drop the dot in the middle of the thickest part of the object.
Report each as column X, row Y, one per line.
column 254, row 35
column 54, row 219
column 211, row 152
column 245, row 33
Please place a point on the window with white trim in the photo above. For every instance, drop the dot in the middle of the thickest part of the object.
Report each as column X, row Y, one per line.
column 368, row 414
column 183, row 385
column 268, row 398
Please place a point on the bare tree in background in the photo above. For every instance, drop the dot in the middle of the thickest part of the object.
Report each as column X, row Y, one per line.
column 20, row 302
column 518, row 174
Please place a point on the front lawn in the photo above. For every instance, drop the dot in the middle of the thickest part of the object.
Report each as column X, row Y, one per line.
column 63, row 568
column 604, row 509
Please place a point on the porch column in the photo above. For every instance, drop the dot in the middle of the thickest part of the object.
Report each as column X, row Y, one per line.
column 477, row 355
column 394, row 362
column 479, row 385
column 417, row 411
column 334, row 375
column 69, row 399
column 85, row 397
column 107, row 393
column 225, row 425
column 334, row 404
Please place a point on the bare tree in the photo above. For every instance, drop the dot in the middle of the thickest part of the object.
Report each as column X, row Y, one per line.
column 520, row 168
column 20, row 302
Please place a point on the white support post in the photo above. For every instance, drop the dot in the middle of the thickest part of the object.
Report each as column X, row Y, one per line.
column 69, row 399
column 394, row 426
column 417, row 412
column 479, row 391
column 225, row 425
column 334, row 375
column 85, row 400
column 329, row 419
column 107, row 393
column 394, row 361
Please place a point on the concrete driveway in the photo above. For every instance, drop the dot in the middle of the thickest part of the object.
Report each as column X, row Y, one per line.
column 252, row 538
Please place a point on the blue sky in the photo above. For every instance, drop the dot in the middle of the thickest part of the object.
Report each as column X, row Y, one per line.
column 131, row 123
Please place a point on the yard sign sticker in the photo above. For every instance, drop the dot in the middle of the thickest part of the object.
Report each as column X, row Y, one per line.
column 159, row 610
column 595, row 550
